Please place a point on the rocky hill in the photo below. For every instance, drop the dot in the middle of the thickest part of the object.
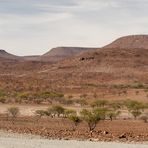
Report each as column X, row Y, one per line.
column 4, row 54
column 122, row 63
column 60, row 53
column 129, row 42
column 125, row 61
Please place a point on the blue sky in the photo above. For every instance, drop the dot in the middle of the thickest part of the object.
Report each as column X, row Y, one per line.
column 29, row 27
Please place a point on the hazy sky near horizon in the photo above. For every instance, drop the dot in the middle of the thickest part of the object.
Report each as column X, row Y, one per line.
column 29, row 27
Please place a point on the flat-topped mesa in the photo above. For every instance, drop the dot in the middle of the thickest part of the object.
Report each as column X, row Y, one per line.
column 66, row 51
column 59, row 53
column 131, row 41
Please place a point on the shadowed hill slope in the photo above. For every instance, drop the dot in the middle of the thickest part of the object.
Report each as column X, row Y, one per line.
column 4, row 54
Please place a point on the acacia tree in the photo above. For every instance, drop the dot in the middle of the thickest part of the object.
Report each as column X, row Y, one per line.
column 91, row 118
column 116, row 105
column 136, row 113
column 135, row 108
column 113, row 114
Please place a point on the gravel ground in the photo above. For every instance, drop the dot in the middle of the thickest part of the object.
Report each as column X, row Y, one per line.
column 9, row 140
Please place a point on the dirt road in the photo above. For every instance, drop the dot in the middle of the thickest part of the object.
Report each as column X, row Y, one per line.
column 9, row 140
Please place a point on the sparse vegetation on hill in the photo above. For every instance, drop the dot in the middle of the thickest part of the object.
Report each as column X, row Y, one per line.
column 81, row 89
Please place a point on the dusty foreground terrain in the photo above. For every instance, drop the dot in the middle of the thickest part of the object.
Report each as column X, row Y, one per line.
column 57, row 128
column 9, row 140
column 115, row 73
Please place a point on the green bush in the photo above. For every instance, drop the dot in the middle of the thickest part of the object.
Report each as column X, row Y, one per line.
column 70, row 112
column 134, row 107
column 2, row 93
column 75, row 119
column 13, row 111
column 56, row 110
column 51, row 95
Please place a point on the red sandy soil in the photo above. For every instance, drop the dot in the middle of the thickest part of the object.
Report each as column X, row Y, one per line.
column 117, row 130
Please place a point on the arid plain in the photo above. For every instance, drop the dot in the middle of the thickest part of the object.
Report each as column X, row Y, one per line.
column 112, row 80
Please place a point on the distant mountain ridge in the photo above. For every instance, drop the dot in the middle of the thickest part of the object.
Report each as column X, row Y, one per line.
column 61, row 53
column 54, row 55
